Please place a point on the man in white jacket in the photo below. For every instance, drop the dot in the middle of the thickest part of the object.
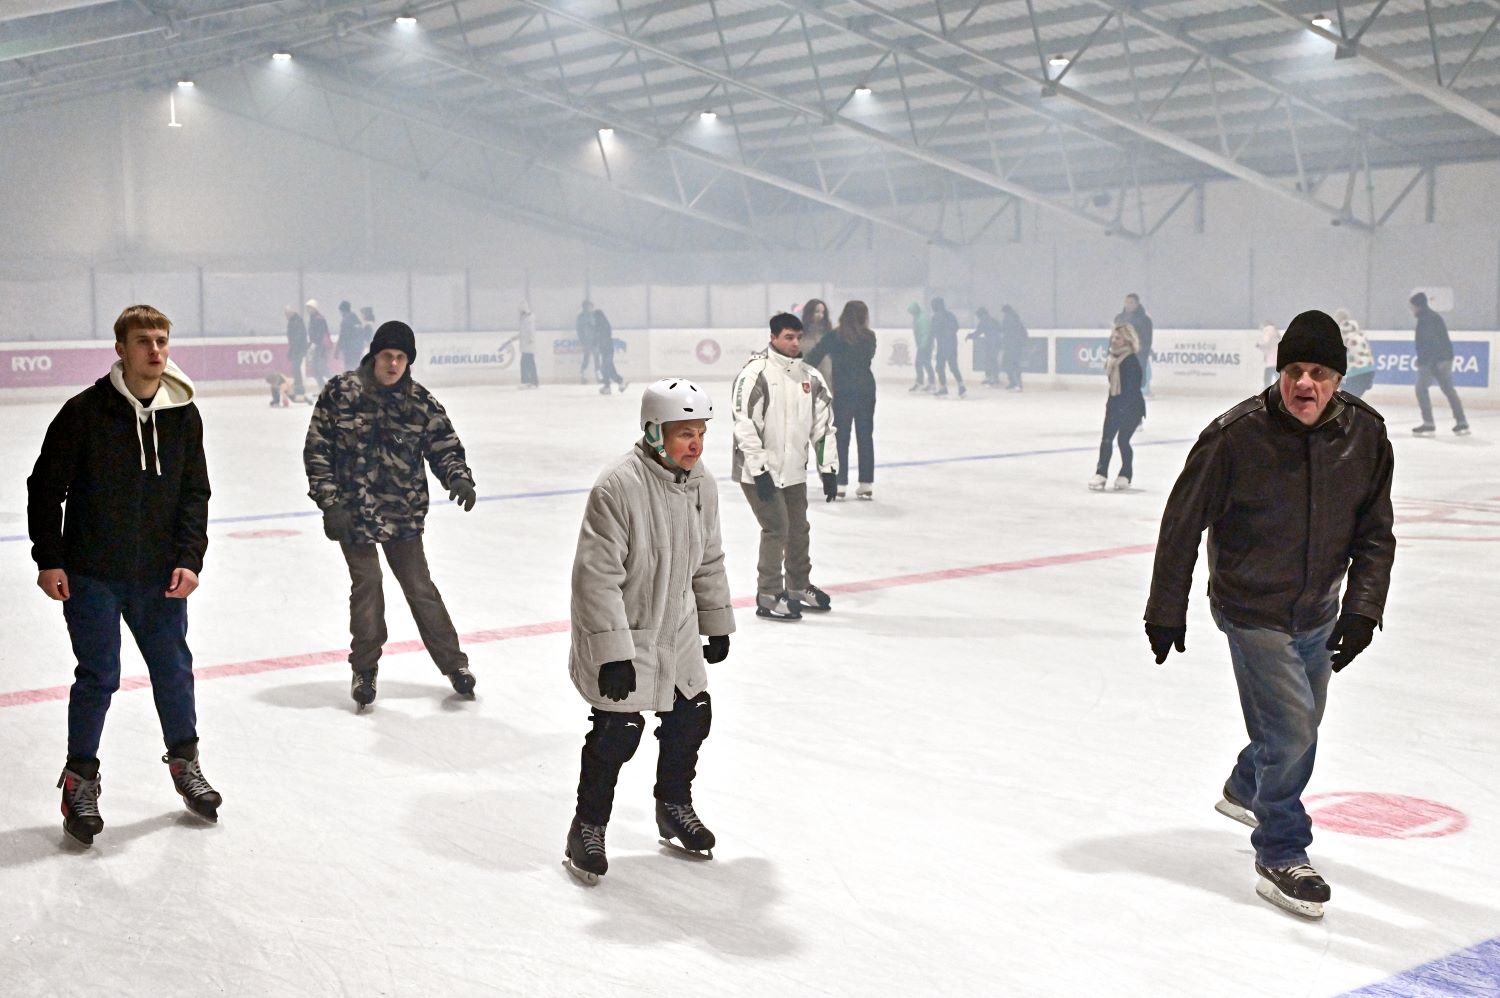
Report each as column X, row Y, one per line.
column 648, row 580
column 781, row 408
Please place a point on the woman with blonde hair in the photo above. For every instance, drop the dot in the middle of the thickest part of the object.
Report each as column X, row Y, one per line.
column 1125, row 407
column 851, row 348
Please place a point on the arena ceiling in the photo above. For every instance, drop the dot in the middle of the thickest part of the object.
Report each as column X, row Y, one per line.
column 715, row 123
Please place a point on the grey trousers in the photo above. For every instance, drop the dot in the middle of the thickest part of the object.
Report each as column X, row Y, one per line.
column 784, row 538
column 367, row 604
column 1440, row 373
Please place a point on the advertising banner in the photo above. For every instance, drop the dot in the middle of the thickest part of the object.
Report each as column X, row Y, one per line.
column 42, row 366
column 717, row 353
column 1190, row 359
column 1396, row 363
column 1081, row 354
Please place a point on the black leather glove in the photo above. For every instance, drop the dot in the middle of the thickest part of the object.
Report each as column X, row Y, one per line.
column 462, row 492
column 338, row 524
column 1163, row 638
column 616, row 680
column 830, row 486
column 717, row 649
column 1351, row 635
column 764, row 487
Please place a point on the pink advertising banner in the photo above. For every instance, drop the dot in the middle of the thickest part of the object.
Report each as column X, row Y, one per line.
column 33, row 365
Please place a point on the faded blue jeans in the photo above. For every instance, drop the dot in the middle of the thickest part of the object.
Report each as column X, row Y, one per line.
column 1283, row 683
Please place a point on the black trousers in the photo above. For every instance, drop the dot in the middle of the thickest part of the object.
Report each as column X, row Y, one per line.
column 607, row 373
column 1122, row 425
column 860, row 413
column 295, row 357
column 947, row 359
column 367, row 632
column 613, row 740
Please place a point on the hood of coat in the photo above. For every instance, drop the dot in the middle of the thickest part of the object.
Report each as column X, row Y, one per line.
column 175, row 391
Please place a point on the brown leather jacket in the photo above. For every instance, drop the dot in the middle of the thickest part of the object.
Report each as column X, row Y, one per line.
column 1289, row 510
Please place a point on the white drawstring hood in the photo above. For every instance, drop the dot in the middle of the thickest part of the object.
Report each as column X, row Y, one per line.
column 176, row 390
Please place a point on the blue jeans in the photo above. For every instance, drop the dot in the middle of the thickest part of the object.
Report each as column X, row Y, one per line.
column 1283, row 683
column 159, row 626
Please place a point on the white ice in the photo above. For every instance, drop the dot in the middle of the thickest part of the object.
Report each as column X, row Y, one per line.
column 974, row 785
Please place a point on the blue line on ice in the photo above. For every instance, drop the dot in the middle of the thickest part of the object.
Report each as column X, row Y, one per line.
column 1473, row 971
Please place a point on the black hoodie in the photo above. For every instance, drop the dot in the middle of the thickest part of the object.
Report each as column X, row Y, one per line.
column 136, row 488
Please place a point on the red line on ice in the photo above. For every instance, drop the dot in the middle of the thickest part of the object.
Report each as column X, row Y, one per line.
column 250, row 668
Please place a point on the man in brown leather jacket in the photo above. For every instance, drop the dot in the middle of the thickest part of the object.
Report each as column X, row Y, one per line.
column 1294, row 488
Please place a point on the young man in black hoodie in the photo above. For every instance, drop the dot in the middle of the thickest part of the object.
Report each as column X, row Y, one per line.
column 126, row 456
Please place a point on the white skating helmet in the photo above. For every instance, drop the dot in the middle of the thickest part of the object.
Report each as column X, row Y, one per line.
column 668, row 401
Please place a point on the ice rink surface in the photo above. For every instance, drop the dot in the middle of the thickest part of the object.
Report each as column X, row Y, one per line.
column 969, row 779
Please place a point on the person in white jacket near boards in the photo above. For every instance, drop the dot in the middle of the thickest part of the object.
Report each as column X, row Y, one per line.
column 783, row 408
column 648, row 581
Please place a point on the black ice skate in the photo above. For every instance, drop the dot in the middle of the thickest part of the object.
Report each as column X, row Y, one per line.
column 1231, row 806
column 187, row 776
column 1425, row 430
column 463, row 681
column 362, row 689
column 80, row 803
column 1461, row 429
column 778, row 607
column 680, row 822
column 811, row 599
column 1297, row 889
column 585, row 854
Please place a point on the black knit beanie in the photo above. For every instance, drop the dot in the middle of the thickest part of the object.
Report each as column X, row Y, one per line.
column 394, row 335
column 1313, row 338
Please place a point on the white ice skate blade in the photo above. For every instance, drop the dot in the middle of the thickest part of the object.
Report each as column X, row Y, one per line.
column 702, row 855
column 1231, row 810
column 1312, row 910
column 583, row 876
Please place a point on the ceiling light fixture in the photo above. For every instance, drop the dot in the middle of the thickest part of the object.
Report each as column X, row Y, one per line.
column 708, row 116
column 1322, row 21
column 184, row 84
column 1058, row 62
column 406, row 21
column 605, row 133
column 862, row 91
column 281, row 56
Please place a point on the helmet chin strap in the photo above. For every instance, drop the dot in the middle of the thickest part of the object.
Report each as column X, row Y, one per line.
column 658, row 443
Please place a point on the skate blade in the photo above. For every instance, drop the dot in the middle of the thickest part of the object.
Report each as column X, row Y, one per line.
column 583, row 876
column 701, row 855
column 76, row 838
column 772, row 616
column 211, row 817
column 1311, row 910
column 1243, row 815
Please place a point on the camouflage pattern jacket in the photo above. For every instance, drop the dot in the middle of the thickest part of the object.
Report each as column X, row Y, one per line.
column 365, row 449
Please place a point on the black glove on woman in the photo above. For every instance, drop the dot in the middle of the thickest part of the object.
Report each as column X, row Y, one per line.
column 616, row 680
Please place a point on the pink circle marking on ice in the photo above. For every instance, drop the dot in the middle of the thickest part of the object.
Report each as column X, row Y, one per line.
column 260, row 535
column 1384, row 816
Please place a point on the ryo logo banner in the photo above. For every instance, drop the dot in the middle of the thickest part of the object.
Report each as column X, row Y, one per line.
column 1396, row 363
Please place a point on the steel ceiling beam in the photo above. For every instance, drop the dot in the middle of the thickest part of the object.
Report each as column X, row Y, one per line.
column 840, row 120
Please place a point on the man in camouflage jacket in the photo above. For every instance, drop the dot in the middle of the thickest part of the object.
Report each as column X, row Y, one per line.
column 371, row 430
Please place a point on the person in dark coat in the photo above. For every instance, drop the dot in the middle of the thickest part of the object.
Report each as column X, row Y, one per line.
column 351, row 345
column 851, row 349
column 1294, row 488
column 1013, row 341
column 1434, row 365
column 296, row 350
column 126, row 457
column 1135, row 314
column 584, row 327
column 320, row 343
column 816, row 324
column 986, row 337
column 1123, row 409
column 945, row 342
column 604, row 348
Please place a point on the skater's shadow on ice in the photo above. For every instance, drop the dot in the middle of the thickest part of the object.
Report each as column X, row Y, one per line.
column 726, row 904
column 25, row 846
column 1219, row 862
column 334, row 694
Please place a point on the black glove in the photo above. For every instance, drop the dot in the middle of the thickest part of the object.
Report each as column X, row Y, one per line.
column 1351, row 635
column 830, row 486
column 462, row 492
column 1162, row 639
column 616, row 680
column 764, row 487
column 717, row 649
column 338, row 524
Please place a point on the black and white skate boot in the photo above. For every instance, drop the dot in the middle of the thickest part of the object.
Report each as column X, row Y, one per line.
column 778, row 607
column 1425, row 430
column 463, row 681
column 187, row 776
column 1297, row 889
column 362, row 689
column 585, row 854
column 811, row 599
column 79, row 783
column 1461, row 429
column 680, row 822
column 1231, row 806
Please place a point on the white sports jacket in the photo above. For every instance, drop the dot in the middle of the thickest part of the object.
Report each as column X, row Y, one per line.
column 781, row 408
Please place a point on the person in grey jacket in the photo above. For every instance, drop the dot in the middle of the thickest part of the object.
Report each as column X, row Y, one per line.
column 648, row 580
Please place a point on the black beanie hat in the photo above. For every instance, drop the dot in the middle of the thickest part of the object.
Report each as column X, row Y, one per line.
column 394, row 335
column 1419, row 299
column 1313, row 338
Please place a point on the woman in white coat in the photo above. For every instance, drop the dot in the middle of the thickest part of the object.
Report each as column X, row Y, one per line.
column 648, row 581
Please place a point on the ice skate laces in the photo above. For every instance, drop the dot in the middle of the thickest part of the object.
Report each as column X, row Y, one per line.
column 686, row 817
column 593, row 838
column 83, row 795
column 189, row 776
column 1301, row 872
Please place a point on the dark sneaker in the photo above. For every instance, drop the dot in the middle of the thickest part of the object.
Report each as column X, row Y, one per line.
column 80, row 802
